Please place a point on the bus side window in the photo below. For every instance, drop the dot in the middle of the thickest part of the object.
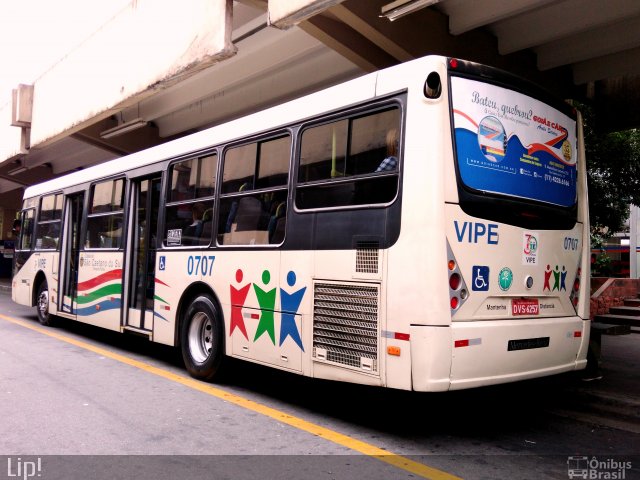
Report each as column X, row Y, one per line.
column 189, row 210
column 49, row 218
column 254, row 193
column 350, row 162
column 105, row 219
column 26, row 230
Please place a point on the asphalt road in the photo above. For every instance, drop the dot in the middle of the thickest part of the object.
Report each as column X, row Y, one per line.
column 87, row 403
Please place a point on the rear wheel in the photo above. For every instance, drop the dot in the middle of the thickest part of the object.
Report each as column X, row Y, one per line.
column 202, row 339
column 42, row 304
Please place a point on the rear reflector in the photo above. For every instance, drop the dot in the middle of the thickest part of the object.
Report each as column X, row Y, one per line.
column 395, row 351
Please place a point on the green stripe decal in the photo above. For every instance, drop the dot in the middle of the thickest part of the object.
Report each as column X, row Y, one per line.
column 156, row 297
column 112, row 289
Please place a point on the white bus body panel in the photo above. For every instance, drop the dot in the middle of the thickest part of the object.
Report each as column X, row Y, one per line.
column 100, row 295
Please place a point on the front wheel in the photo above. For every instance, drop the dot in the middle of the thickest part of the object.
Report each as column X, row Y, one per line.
column 42, row 305
column 202, row 339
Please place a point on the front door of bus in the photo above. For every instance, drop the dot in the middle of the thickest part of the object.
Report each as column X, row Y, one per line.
column 143, row 232
column 69, row 260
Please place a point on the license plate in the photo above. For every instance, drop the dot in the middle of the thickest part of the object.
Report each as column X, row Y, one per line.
column 525, row 306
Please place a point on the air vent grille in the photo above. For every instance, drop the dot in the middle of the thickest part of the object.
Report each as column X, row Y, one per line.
column 367, row 257
column 345, row 325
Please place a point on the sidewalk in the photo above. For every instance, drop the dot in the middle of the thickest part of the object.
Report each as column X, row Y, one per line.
column 617, row 394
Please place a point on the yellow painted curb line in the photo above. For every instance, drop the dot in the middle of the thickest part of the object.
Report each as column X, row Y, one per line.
column 344, row 440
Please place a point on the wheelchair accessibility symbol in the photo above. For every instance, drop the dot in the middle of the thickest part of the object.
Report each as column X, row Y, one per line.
column 162, row 263
column 480, row 278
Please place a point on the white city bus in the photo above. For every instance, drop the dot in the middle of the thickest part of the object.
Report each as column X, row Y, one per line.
column 423, row 227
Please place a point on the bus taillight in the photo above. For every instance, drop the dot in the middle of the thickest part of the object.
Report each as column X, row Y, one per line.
column 454, row 281
column 458, row 292
column 575, row 291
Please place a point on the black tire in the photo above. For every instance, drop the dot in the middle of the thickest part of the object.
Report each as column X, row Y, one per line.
column 42, row 305
column 202, row 339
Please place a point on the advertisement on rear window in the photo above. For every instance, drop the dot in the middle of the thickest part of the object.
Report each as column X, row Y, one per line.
column 511, row 144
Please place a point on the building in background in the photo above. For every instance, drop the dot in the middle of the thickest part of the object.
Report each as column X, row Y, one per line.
column 143, row 72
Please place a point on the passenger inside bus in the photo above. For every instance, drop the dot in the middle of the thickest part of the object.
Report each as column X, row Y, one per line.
column 194, row 230
column 390, row 162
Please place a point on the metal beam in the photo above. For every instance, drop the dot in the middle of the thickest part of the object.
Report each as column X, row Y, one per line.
column 591, row 44
column 466, row 15
column 368, row 31
column 616, row 65
column 558, row 21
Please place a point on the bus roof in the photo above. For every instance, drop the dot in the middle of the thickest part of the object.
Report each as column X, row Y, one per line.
column 350, row 92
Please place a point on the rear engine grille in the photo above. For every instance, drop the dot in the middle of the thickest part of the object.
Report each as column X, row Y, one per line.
column 345, row 325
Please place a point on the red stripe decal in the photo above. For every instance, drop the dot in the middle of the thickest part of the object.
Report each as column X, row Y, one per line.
column 161, row 282
column 100, row 279
column 473, row 122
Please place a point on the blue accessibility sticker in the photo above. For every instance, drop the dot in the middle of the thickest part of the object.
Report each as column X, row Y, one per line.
column 480, row 278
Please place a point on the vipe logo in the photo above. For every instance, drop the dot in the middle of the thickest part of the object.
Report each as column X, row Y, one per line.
column 23, row 469
column 593, row 468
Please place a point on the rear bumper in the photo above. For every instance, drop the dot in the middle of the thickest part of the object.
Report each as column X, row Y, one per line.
column 475, row 354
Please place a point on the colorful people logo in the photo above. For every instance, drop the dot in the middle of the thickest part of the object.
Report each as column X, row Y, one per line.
column 563, row 278
column 556, row 279
column 238, row 297
column 547, row 278
column 267, row 302
column 290, row 302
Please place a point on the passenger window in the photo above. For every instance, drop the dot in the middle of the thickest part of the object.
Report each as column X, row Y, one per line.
column 323, row 152
column 105, row 219
column 350, row 162
column 49, row 218
column 189, row 211
column 26, row 229
column 253, row 204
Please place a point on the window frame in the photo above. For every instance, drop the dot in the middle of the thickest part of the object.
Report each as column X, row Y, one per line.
column 87, row 215
column 166, row 203
column 31, row 248
column 395, row 102
column 38, row 222
column 286, row 187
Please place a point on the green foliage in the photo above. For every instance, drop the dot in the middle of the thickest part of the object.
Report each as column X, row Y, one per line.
column 603, row 265
column 613, row 174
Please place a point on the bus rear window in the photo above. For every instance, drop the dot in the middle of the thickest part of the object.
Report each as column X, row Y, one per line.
column 510, row 144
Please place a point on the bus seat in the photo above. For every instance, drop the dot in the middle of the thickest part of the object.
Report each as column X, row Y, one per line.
column 249, row 214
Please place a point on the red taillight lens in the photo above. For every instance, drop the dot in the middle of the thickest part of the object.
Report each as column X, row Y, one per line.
column 575, row 301
column 454, row 303
column 453, row 63
column 576, row 284
column 454, row 281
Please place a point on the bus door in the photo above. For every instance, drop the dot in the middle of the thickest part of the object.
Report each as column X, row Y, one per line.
column 145, row 202
column 70, row 258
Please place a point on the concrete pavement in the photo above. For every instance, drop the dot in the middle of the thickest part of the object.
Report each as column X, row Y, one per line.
column 613, row 401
